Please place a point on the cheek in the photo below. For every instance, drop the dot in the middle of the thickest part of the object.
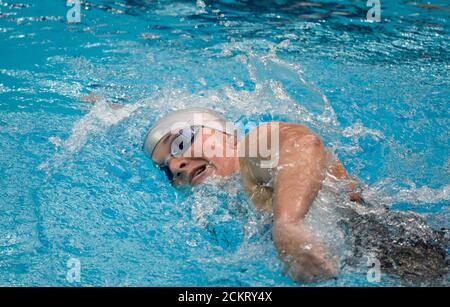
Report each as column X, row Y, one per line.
column 217, row 162
column 221, row 166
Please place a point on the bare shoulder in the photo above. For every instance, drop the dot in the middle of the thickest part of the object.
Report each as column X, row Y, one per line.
column 270, row 142
column 269, row 132
column 261, row 149
column 270, row 139
column 286, row 135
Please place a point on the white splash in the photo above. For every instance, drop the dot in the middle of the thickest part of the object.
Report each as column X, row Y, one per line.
column 101, row 117
column 389, row 192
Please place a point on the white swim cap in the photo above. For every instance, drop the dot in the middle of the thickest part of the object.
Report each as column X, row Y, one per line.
column 185, row 118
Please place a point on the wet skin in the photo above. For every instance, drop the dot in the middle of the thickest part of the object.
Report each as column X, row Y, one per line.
column 287, row 189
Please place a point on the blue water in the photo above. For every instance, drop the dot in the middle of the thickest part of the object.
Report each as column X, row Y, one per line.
column 75, row 184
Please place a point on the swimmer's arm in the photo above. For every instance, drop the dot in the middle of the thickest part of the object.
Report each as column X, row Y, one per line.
column 93, row 98
column 297, row 182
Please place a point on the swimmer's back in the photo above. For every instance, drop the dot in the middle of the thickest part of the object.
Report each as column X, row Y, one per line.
column 403, row 243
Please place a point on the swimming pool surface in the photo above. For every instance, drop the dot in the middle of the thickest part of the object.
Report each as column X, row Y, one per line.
column 74, row 183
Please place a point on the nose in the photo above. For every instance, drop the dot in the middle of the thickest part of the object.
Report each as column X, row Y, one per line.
column 179, row 166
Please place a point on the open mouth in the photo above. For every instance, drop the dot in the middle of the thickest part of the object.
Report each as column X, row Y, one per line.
column 197, row 173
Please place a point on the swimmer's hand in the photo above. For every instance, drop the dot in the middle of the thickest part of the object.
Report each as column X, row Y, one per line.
column 93, row 98
column 304, row 255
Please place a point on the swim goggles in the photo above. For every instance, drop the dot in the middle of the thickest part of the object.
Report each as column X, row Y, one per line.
column 182, row 141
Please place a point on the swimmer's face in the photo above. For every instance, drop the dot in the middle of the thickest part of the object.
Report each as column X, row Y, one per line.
column 202, row 158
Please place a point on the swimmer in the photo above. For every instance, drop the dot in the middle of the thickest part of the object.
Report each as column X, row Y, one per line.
column 282, row 166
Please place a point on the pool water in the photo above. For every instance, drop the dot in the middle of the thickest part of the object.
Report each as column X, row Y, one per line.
column 75, row 184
